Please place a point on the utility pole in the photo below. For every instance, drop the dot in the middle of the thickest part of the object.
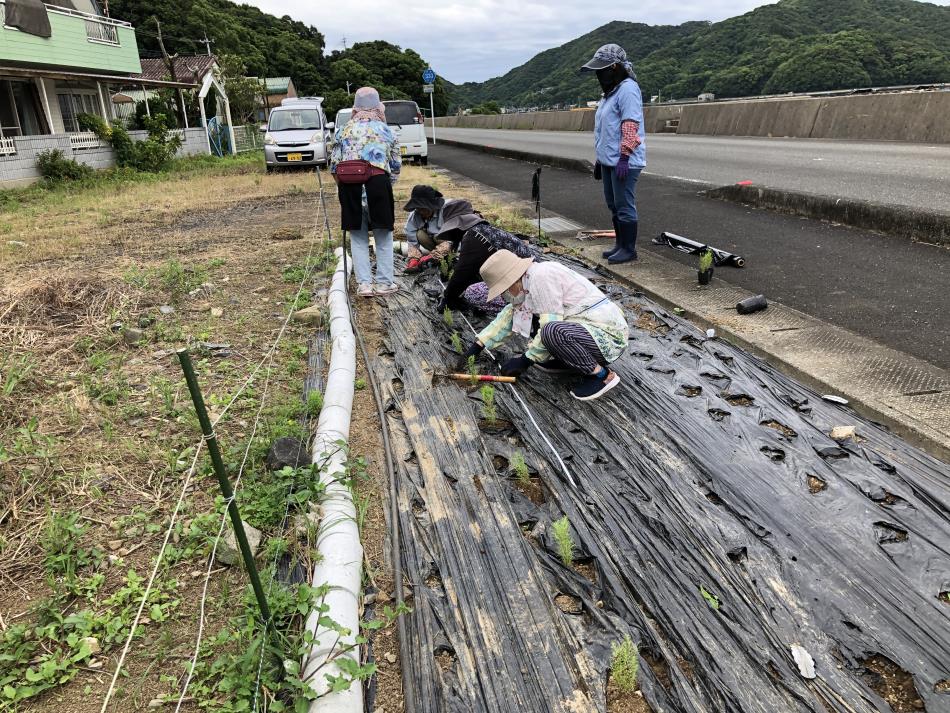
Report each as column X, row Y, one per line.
column 207, row 43
column 344, row 43
column 347, row 87
column 170, row 64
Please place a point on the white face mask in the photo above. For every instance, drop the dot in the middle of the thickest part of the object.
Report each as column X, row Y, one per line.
column 515, row 299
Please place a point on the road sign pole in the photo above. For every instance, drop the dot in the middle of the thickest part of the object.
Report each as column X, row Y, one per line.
column 428, row 76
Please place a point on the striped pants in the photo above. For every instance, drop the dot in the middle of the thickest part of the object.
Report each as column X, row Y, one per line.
column 573, row 345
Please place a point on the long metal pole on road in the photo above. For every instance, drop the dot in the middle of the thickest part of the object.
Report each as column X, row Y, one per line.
column 432, row 113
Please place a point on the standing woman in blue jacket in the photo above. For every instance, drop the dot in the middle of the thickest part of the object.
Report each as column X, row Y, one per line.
column 619, row 141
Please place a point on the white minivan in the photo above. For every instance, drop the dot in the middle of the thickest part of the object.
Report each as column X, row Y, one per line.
column 405, row 119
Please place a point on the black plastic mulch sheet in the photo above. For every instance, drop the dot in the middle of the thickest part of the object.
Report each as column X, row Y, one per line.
column 716, row 521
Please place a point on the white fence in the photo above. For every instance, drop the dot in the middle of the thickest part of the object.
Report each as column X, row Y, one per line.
column 84, row 140
column 7, row 146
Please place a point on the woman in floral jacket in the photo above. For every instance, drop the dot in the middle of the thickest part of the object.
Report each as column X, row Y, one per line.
column 367, row 137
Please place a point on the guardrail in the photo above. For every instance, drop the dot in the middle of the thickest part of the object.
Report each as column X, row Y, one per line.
column 7, row 146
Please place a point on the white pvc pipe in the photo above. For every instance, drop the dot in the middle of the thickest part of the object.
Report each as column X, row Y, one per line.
column 339, row 552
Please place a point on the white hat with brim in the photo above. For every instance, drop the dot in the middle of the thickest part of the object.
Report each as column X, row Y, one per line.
column 502, row 270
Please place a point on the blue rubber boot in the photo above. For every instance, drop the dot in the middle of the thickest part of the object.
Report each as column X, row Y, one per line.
column 616, row 247
column 628, row 243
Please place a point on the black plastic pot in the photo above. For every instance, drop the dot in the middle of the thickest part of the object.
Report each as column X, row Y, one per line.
column 705, row 276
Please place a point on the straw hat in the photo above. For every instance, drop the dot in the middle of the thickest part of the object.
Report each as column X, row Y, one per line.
column 502, row 270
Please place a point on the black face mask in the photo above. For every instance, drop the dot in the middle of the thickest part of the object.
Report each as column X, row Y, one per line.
column 610, row 77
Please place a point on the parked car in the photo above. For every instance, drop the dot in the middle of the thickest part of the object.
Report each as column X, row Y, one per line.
column 406, row 120
column 297, row 134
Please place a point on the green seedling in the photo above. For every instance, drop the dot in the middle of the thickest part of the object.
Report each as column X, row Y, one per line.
column 13, row 371
column 625, row 665
column 489, row 411
column 472, row 370
column 711, row 599
column 314, row 403
column 359, row 384
column 445, row 267
column 457, row 343
column 447, row 317
column 561, row 529
column 520, row 468
column 705, row 260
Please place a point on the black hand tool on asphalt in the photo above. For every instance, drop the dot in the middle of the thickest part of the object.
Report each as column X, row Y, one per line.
column 691, row 247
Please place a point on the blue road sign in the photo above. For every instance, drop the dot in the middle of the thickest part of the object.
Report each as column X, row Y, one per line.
column 428, row 76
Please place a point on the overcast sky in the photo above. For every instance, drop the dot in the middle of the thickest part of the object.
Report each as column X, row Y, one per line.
column 474, row 40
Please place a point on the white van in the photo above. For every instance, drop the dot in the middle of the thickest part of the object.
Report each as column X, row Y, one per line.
column 405, row 119
column 296, row 134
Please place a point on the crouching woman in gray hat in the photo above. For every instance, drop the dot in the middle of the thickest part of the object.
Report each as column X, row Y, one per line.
column 619, row 141
column 581, row 330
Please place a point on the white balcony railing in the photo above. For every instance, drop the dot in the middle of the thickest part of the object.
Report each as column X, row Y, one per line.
column 98, row 27
column 7, row 146
column 84, row 140
column 97, row 31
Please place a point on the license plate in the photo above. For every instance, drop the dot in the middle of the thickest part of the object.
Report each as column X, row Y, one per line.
column 404, row 150
column 295, row 157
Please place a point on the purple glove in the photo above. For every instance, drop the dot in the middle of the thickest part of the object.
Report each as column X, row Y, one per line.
column 623, row 167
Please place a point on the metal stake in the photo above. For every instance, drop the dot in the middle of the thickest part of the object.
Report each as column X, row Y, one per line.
column 219, row 470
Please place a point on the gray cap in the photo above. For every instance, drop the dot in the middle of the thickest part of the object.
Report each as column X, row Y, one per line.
column 605, row 56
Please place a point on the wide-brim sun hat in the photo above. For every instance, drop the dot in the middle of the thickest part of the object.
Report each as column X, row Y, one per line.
column 502, row 270
column 459, row 215
column 425, row 197
column 605, row 56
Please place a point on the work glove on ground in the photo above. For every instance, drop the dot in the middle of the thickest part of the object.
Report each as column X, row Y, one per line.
column 623, row 168
column 598, row 171
column 516, row 366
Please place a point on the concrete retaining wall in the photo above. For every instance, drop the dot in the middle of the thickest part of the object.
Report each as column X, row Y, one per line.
column 20, row 168
column 921, row 117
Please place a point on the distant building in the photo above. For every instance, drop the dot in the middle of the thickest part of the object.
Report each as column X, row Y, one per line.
column 707, row 97
column 275, row 90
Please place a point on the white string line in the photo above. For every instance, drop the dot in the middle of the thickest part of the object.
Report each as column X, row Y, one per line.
column 269, row 358
column 273, row 576
column 308, row 272
column 151, row 580
column 524, row 406
column 217, row 540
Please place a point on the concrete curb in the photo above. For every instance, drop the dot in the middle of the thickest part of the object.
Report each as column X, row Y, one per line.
column 895, row 220
column 568, row 164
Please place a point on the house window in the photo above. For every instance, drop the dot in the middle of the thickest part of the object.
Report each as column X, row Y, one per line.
column 20, row 112
column 74, row 103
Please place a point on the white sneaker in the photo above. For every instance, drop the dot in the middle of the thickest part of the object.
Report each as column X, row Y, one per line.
column 386, row 289
column 365, row 290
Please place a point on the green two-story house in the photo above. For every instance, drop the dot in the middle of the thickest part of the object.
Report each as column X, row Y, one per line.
column 60, row 59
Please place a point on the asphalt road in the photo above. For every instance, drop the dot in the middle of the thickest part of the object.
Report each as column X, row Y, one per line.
column 888, row 289
column 892, row 173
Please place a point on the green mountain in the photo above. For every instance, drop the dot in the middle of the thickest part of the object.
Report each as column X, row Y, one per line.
column 551, row 77
column 793, row 45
